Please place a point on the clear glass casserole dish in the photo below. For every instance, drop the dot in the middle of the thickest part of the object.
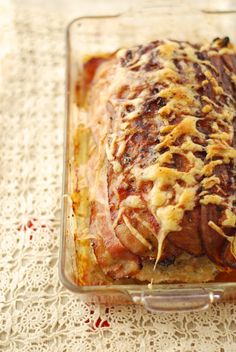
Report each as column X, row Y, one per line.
column 87, row 37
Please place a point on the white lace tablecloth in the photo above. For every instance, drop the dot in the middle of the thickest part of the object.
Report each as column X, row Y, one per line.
column 36, row 313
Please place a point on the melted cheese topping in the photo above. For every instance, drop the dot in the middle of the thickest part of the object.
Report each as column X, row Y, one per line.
column 172, row 191
column 133, row 202
column 181, row 98
column 167, row 74
column 209, row 168
column 212, row 199
column 207, row 108
column 217, row 89
column 164, row 175
column 209, row 182
column 220, row 150
column 167, row 49
column 186, row 127
column 230, row 219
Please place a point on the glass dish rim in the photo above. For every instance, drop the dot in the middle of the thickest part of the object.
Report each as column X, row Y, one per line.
column 124, row 288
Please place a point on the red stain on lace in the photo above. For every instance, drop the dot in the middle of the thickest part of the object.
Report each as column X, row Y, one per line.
column 102, row 323
column 29, row 225
column 99, row 323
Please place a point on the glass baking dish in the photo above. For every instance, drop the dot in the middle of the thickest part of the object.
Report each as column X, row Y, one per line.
column 89, row 36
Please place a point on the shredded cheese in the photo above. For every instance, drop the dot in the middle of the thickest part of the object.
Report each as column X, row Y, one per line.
column 133, row 202
column 212, row 199
column 210, row 182
column 135, row 232
column 216, row 228
column 230, row 219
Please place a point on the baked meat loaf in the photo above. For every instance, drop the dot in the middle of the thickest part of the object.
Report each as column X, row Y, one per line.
column 160, row 169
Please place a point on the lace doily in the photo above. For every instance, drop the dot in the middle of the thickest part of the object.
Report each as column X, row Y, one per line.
column 36, row 313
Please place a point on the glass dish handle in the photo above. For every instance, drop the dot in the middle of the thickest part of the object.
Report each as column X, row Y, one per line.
column 195, row 300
